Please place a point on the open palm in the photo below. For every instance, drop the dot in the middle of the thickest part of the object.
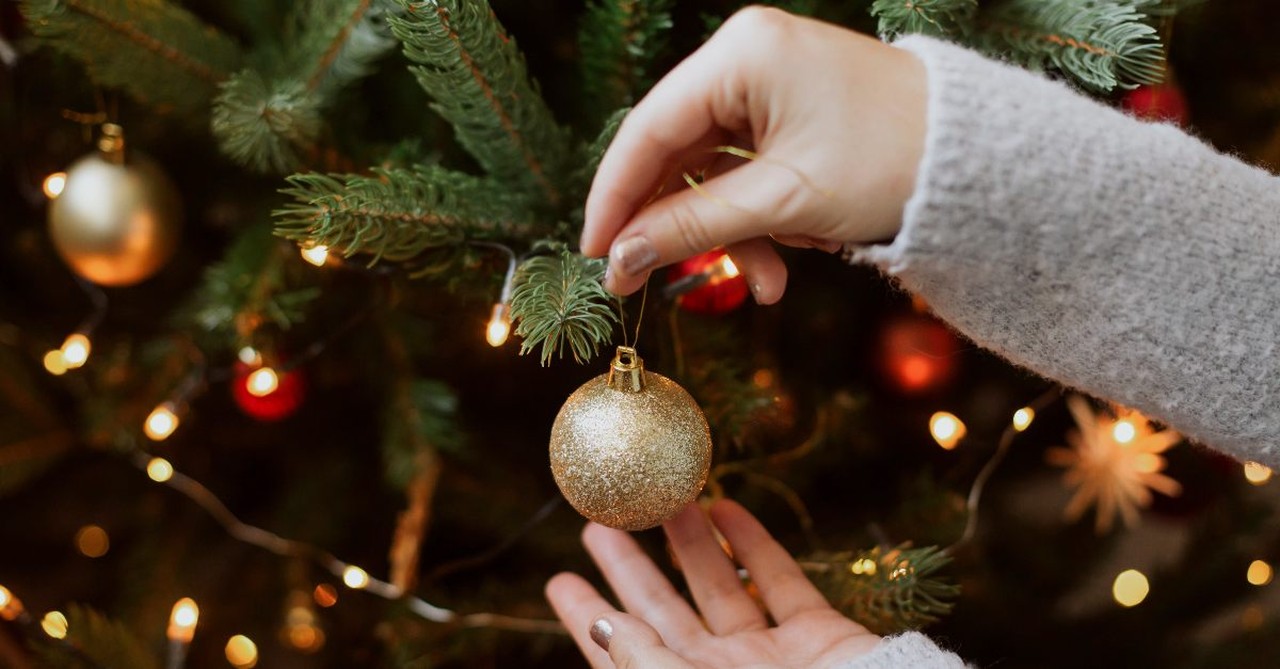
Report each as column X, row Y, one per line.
column 664, row 632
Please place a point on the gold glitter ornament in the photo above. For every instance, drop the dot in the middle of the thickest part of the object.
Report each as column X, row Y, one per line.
column 630, row 448
column 116, row 222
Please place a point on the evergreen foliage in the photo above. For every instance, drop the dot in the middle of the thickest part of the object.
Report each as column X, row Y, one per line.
column 397, row 214
column 619, row 40
column 476, row 78
column 99, row 642
column 154, row 50
column 887, row 591
column 419, row 422
column 268, row 126
column 559, row 303
column 926, row 17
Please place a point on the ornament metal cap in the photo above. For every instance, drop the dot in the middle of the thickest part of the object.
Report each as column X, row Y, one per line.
column 627, row 371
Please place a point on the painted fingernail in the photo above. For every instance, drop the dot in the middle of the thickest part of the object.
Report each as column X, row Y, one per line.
column 634, row 256
column 601, row 632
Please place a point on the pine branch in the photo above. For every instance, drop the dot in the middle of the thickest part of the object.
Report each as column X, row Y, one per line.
column 398, row 214
column 591, row 154
column 887, row 591
column 154, row 50
column 1104, row 44
column 98, row 642
column 619, row 40
column 559, row 303
column 476, row 76
column 926, row 17
column 266, row 126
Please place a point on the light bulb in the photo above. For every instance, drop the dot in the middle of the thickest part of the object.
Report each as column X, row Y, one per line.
column 946, row 429
column 250, row 356
column 316, row 255
column 182, row 620
column 75, row 350
column 10, row 606
column 1256, row 472
column 1130, row 588
column 1022, row 418
column 262, row 382
column 161, row 422
column 325, row 595
column 53, row 184
column 355, row 577
column 54, row 624
column 92, row 541
column 727, row 269
column 499, row 325
column 159, row 470
column 1259, row 573
column 242, row 652
column 1124, row 431
column 55, row 363
column 863, row 567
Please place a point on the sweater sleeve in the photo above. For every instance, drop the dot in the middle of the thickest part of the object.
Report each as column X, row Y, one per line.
column 1123, row 258
column 910, row 650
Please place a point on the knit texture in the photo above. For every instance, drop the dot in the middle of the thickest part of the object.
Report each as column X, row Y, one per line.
column 911, row 650
column 1123, row 258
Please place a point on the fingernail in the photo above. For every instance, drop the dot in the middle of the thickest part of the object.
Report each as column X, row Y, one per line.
column 608, row 272
column 634, row 256
column 755, row 289
column 601, row 632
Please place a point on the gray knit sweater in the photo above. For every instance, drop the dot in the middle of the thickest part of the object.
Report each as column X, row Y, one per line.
column 1122, row 258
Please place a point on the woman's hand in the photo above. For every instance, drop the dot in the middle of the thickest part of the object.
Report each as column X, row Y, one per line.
column 661, row 630
column 836, row 117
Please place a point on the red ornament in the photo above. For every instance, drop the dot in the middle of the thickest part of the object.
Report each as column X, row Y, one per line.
column 918, row 354
column 253, row 393
column 722, row 288
column 1162, row 102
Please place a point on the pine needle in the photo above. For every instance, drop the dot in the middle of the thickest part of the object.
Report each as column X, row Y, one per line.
column 560, row 305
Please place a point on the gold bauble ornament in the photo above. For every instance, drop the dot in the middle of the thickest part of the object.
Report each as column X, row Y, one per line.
column 630, row 448
column 116, row 221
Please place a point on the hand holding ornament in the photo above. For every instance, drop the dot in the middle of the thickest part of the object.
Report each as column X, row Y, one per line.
column 836, row 119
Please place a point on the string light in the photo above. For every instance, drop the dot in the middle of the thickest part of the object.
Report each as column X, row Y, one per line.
column 863, row 567
column 1022, row 418
column 92, row 541
column 159, row 470
column 316, row 255
column 325, row 595
column 1260, row 572
column 242, row 652
column 161, row 422
column 499, row 326
column 725, row 269
column 54, row 624
column 946, row 429
column 355, row 577
column 262, row 382
column 10, row 606
column 1130, row 588
column 1124, row 431
column 250, row 356
column 1256, row 472
column 54, row 184
column 183, row 620
column 55, row 363
column 75, row 350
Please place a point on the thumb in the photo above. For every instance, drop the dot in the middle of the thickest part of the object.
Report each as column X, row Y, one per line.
column 744, row 203
column 633, row 644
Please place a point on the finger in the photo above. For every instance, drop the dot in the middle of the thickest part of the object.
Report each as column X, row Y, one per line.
column 705, row 91
column 577, row 604
column 636, row 581
column 712, row 577
column 785, row 589
column 808, row 242
column 633, row 643
column 746, row 202
column 761, row 266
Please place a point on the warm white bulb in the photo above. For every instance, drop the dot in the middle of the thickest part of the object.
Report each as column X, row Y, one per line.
column 262, row 382
column 54, row 624
column 355, row 577
column 161, row 422
column 10, row 606
column 159, row 470
column 1124, row 431
column 499, row 325
column 727, row 268
column 54, row 184
column 250, row 356
column 183, row 619
column 1022, row 418
column 1259, row 573
column 75, row 350
column 1130, row 588
column 1256, row 472
column 55, row 363
column 316, row 255
column 946, row 429
column 241, row 652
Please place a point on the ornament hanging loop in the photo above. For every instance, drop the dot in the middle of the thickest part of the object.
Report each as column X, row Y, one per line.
column 627, row 371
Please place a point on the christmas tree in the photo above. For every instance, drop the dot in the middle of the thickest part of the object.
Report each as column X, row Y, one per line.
column 292, row 299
